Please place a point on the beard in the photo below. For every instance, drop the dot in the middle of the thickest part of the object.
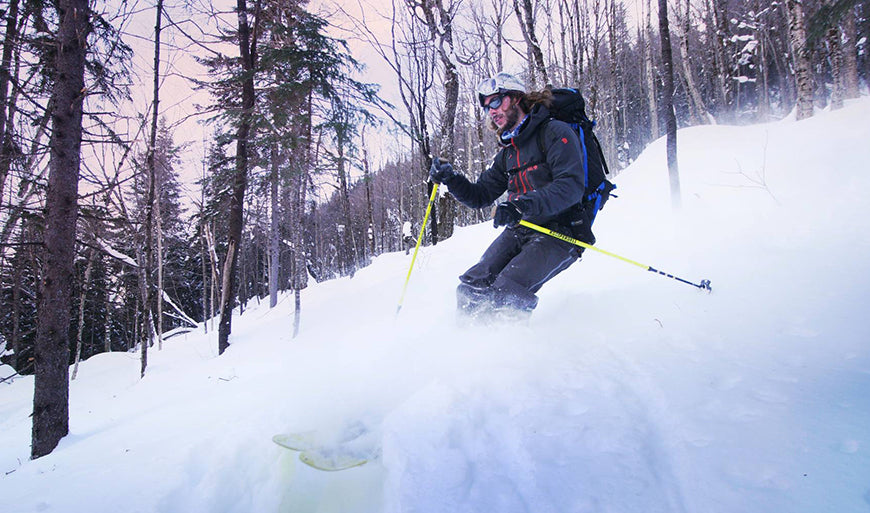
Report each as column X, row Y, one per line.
column 512, row 117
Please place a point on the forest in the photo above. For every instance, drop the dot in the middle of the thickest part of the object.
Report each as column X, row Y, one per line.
column 314, row 165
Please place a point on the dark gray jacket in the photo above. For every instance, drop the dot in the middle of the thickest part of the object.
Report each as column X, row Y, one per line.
column 544, row 185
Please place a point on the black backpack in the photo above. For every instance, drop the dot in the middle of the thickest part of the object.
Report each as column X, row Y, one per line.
column 569, row 106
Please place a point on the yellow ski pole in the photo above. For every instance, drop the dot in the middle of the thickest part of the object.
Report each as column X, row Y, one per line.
column 704, row 285
column 417, row 247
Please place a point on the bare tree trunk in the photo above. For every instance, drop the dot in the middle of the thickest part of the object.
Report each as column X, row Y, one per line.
column 11, row 40
column 762, row 35
column 719, row 21
column 297, row 309
column 447, row 211
column 650, row 75
column 348, row 242
column 107, row 327
column 698, row 108
column 137, row 326
column 274, row 236
column 158, row 235
column 668, row 103
column 593, row 49
column 143, row 258
column 299, row 270
column 215, row 281
column 51, row 385
column 16, row 316
column 611, row 108
column 835, row 56
column 298, row 187
column 147, row 260
column 526, row 19
column 850, row 52
column 204, row 256
column 563, row 41
column 247, row 48
column 801, row 59
column 81, row 326
column 498, row 10
column 370, row 214
column 242, row 288
column 577, row 51
column 439, row 21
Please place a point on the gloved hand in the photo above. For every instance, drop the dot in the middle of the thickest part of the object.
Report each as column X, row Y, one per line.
column 507, row 213
column 441, row 171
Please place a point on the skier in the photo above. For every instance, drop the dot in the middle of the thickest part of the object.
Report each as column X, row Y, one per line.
column 541, row 188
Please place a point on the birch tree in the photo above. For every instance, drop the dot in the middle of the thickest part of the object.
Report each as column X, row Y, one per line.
column 684, row 28
column 850, row 53
column 526, row 17
column 718, row 21
column 650, row 74
column 146, row 263
column 800, row 58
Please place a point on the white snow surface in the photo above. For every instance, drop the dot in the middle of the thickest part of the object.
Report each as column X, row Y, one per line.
column 626, row 392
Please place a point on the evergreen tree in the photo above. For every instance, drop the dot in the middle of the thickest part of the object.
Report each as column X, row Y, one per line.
column 51, row 386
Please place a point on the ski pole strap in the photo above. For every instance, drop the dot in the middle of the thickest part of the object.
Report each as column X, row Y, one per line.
column 417, row 247
column 704, row 285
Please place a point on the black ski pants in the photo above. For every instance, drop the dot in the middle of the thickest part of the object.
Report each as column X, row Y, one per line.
column 514, row 267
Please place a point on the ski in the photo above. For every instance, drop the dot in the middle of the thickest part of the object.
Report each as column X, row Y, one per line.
column 351, row 446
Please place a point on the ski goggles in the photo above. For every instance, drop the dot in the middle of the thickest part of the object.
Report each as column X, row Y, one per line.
column 494, row 103
column 487, row 87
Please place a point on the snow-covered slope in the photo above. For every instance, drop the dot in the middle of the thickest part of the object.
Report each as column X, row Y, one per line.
column 626, row 392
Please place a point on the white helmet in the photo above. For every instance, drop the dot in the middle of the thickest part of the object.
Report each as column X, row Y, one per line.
column 501, row 83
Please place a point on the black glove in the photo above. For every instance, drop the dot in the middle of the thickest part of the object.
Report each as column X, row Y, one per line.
column 507, row 213
column 441, row 171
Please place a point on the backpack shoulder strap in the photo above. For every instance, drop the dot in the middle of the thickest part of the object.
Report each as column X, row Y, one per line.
column 540, row 136
column 581, row 135
column 504, row 165
column 600, row 151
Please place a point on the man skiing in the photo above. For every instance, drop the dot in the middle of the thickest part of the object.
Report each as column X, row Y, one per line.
column 542, row 175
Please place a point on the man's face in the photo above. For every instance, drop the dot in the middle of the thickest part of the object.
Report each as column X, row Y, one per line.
column 502, row 110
